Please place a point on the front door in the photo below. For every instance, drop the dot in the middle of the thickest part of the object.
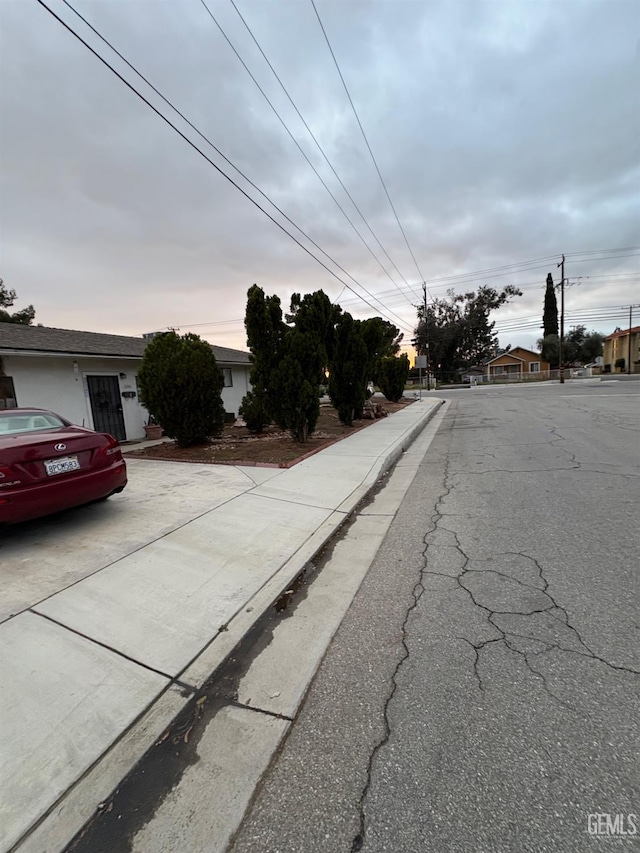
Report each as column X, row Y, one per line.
column 106, row 405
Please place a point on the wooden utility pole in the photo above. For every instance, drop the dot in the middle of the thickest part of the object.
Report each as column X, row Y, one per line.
column 631, row 307
column 426, row 328
column 560, row 348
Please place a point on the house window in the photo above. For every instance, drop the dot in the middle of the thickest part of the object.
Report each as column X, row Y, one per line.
column 7, row 393
column 534, row 367
column 498, row 368
column 228, row 377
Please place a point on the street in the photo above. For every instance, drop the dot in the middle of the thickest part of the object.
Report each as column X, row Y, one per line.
column 482, row 692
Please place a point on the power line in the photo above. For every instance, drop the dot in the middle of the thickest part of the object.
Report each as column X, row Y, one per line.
column 525, row 267
column 387, row 294
column 208, row 159
column 599, row 251
column 514, row 272
column 321, row 149
column 295, row 141
column 595, row 309
column 364, row 136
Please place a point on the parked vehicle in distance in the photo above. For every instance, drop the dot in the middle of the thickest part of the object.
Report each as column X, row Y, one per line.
column 48, row 464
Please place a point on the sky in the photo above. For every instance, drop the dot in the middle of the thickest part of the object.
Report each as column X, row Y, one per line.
column 506, row 133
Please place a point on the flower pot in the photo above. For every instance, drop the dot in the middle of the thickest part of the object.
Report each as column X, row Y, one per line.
column 153, row 431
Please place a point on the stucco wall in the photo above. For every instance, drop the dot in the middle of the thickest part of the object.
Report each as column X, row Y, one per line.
column 59, row 383
column 232, row 397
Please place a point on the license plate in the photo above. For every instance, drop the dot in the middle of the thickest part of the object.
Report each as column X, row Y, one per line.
column 62, row 465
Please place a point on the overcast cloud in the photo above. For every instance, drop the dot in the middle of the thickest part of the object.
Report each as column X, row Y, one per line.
column 505, row 131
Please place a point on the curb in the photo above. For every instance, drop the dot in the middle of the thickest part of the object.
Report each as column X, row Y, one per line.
column 90, row 794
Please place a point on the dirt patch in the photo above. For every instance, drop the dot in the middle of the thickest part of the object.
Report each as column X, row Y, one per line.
column 273, row 448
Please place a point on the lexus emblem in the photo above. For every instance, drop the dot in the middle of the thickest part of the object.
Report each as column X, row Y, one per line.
column 60, row 447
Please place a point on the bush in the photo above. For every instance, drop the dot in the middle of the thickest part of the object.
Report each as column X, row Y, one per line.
column 254, row 413
column 292, row 385
column 394, row 373
column 348, row 371
column 620, row 363
column 180, row 384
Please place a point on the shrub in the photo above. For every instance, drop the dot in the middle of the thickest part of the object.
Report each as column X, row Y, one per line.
column 294, row 385
column 620, row 363
column 348, row 370
column 394, row 373
column 254, row 413
column 180, row 384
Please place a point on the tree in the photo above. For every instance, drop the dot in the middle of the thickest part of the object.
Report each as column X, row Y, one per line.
column 7, row 298
column 265, row 336
column 382, row 339
column 180, row 385
column 393, row 376
column 458, row 330
column 579, row 347
column 592, row 347
column 550, row 350
column 287, row 363
column 315, row 315
column 348, row 370
column 550, row 316
column 295, row 385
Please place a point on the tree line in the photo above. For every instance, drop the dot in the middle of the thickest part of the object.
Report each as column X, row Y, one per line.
column 315, row 345
column 578, row 346
column 456, row 332
column 294, row 358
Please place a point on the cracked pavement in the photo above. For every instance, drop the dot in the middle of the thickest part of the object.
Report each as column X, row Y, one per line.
column 482, row 693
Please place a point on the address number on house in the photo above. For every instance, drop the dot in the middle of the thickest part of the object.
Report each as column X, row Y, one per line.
column 61, row 466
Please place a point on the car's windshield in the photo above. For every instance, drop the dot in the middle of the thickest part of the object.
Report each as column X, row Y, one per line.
column 12, row 423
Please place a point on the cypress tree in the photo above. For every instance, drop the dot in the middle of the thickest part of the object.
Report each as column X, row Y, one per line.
column 348, row 370
column 550, row 316
column 393, row 376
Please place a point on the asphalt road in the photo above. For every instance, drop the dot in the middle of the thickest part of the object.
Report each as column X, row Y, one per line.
column 483, row 692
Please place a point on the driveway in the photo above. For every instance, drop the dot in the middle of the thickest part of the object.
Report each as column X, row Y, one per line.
column 42, row 557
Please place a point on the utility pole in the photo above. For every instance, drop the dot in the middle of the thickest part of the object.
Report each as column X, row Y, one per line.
column 560, row 353
column 426, row 329
column 631, row 307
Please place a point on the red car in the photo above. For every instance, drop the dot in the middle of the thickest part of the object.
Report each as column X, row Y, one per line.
column 47, row 464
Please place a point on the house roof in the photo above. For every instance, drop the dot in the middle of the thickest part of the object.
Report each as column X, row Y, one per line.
column 477, row 368
column 503, row 355
column 524, row 349
column 623, row 332
column 14, row 336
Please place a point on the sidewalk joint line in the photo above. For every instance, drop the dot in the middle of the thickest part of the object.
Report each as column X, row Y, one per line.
column 125, row 556
column 235, row 704
column 110, row 649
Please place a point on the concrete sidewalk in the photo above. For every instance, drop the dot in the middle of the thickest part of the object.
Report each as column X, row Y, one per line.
column 101, row 668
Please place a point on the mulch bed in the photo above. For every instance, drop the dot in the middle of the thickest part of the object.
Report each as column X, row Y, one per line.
column 273, row 448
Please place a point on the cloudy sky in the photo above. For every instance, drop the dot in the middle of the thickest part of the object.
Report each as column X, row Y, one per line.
column 507, row 133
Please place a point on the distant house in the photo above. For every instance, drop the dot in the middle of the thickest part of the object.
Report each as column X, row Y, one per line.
column 91, row 378
column 470, row 374
column 616, row 347
column 517, row 363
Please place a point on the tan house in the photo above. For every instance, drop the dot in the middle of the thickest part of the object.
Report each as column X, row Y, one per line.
column 616, row 347
column 518, row 363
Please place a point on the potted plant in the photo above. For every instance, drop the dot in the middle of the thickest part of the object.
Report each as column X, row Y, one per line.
column 152, row 429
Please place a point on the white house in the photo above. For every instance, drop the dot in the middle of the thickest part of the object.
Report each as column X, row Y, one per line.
column 91, row 378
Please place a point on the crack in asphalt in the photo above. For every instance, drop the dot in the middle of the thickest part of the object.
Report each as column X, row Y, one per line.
column 416, row 594
column 506, row 637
